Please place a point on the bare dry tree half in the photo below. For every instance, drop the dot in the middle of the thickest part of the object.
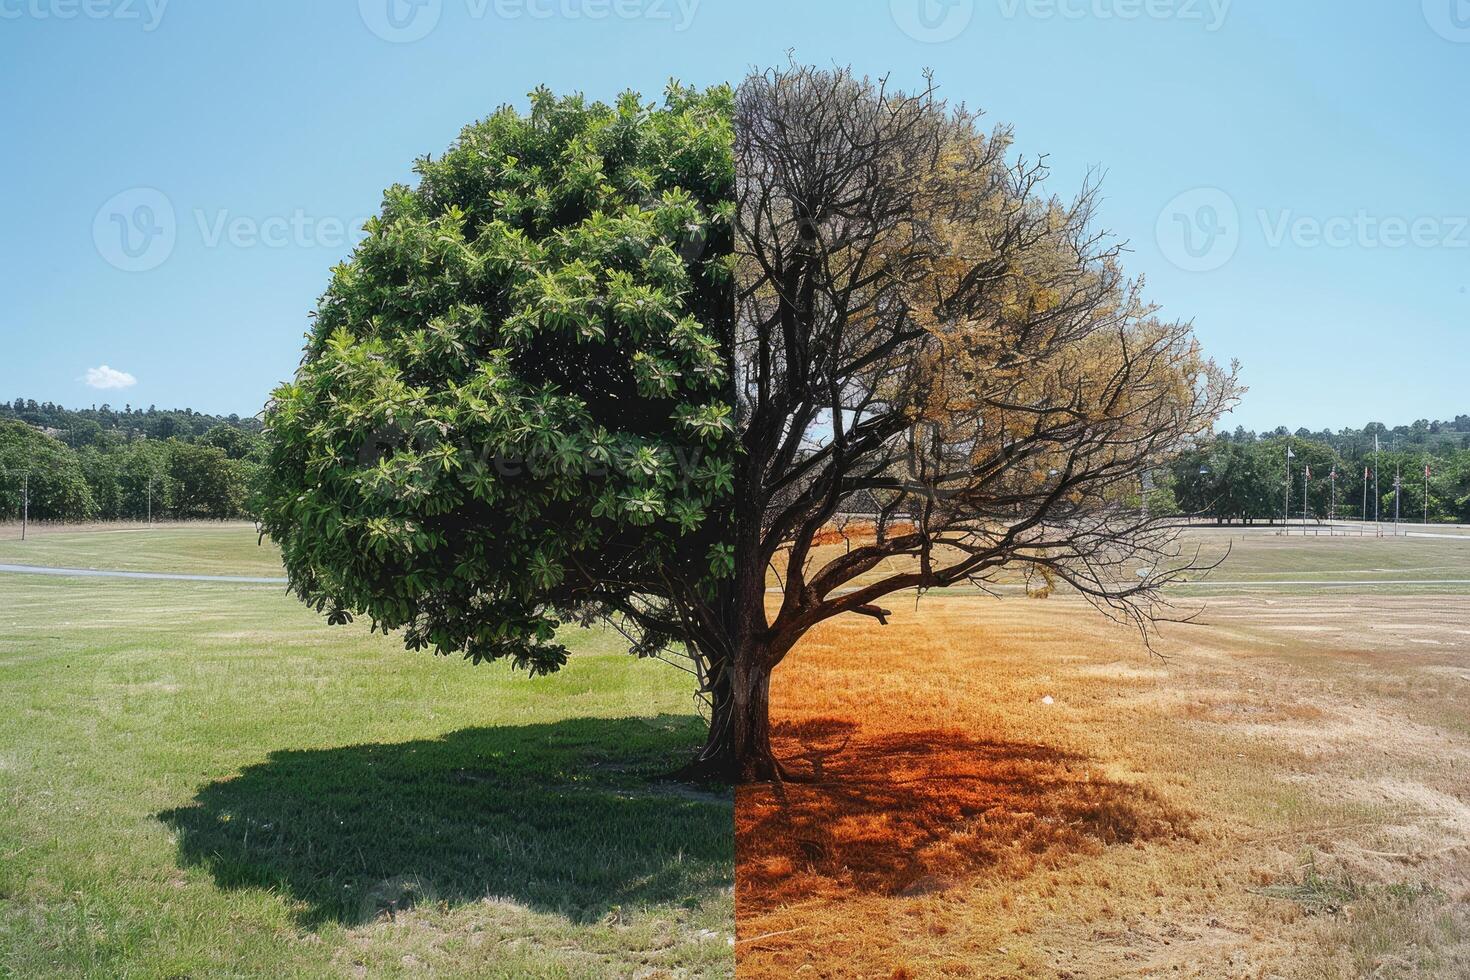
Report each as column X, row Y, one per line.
column 924, row 334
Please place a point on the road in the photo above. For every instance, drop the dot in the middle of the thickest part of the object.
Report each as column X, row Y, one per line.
column 157, row 576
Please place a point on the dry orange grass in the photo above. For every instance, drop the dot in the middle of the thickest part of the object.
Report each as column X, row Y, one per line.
column 859, row 532
column 904, row 813
column 1153, row 820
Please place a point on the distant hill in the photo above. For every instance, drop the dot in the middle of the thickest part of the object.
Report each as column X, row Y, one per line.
column 78, row 427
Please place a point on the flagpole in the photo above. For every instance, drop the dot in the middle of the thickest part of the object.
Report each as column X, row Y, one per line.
column 1398, row 491
column 1426, row 494
column 1378, row 526
column 1306, row 475
column 1286, row 518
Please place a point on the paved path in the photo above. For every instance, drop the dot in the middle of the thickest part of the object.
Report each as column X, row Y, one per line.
column 164, row 576
column 254, row 580
column 1202, row 584
column 1207, row 583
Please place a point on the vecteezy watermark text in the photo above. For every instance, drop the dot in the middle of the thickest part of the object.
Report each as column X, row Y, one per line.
column 1201, row 230
column 138, row 229
column 1210, row 14
column 148, row 13
column 937, row 21
column 295, row 230
column 404, row 21
column 1364, row 229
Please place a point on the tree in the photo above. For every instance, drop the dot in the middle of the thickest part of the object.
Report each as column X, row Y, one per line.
column 514, row 408
column 100, row 470
column 919, row 324
column 234, row 441
column 57, row 488
column 141, row 476
column 200, row 481
column 1233, row 481
column 551, row 385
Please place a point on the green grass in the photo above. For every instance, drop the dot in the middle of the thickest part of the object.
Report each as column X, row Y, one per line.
column 1256, row 556
column 199, row 549
column 200, row 779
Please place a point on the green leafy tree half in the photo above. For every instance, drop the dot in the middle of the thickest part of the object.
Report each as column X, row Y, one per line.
column 515, row 405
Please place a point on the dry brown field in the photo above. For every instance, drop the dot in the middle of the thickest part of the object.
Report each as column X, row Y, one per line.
column 1020, row 788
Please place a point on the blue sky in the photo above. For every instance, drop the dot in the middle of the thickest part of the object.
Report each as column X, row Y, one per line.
column 1291, row 176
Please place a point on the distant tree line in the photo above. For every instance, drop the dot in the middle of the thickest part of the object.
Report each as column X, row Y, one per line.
column 1440, row 438
column 101, row 464
column 83, row 427
column 1241, row 477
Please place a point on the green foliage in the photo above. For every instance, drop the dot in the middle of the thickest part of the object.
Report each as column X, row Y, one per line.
column 201, row 482
column 514, row 404
column 1445, row 439
column 1245, row 480
column 233, row 441
column 58, row 488
column 103, row 424
column 202, row 471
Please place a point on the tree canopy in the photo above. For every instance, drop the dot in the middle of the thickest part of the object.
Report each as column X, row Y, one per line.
column 57, row 488
column 514, row 404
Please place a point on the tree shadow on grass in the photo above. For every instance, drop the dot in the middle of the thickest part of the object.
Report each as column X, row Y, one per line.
column 907, row 813
column 566, row 817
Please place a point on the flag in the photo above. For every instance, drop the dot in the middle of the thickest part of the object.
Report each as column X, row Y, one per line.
column 1426, row 471
column 1289, row 453
column 1309, row 472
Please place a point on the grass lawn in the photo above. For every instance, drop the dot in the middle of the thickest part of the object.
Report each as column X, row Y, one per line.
column 192, row 549
column 200, row 779
column 1259, row 557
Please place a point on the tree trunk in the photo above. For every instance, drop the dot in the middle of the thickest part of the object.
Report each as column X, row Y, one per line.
column 739, row 746
column 755, row 762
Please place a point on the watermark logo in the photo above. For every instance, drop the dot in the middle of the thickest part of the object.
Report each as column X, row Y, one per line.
column 392, row 897
column 148, row 13
column 1450, row 19
column 1210, row 14
column 401, row 21
column 136, row 230
column 932, row 21
column 1199, row 231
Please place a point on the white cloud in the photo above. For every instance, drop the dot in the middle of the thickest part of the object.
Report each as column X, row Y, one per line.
column 105, row 377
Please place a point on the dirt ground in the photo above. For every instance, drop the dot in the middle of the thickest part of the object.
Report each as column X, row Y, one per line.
column 1019, row 788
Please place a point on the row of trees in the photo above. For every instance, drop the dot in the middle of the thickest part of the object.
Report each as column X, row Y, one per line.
column 114, row 478
column 1245, row 480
